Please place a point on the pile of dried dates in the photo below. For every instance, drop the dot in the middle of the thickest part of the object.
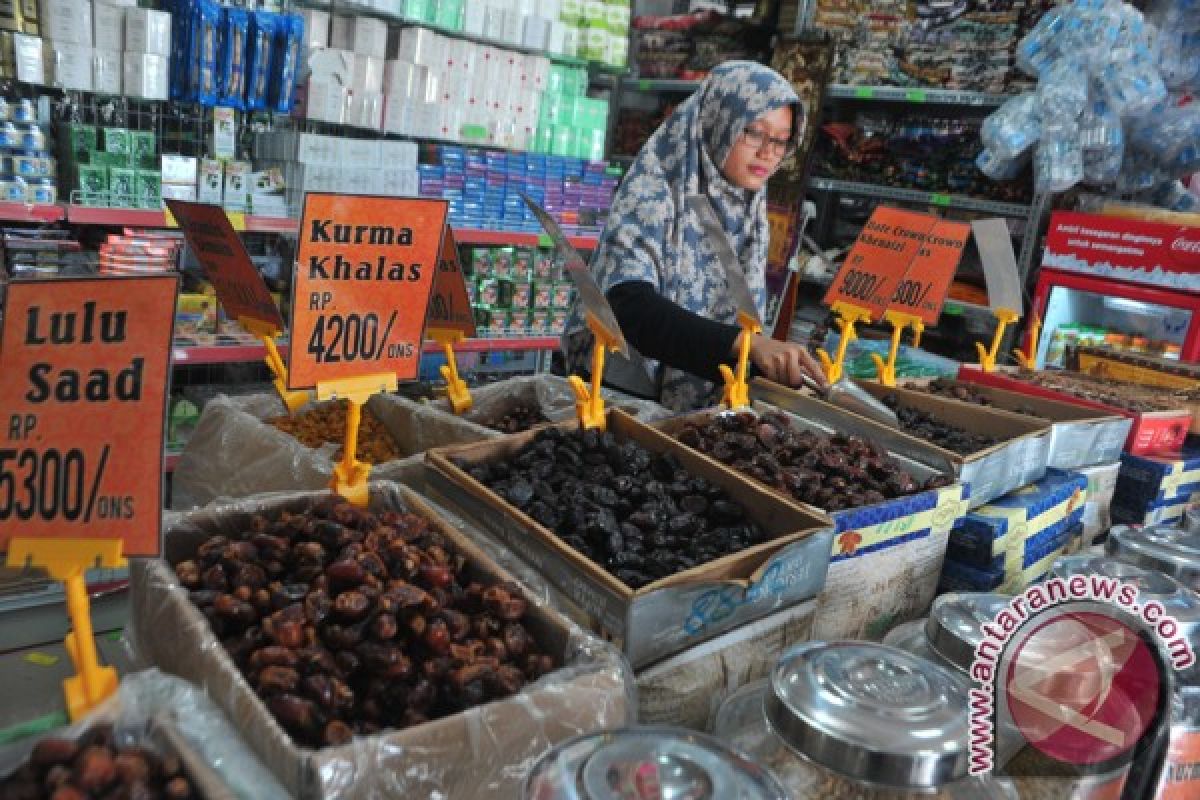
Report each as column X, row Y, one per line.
column 1110, row 393
column 637, row 514
column 964, row 392
column 326, row 424
column 922, row 425
column 832, row 473
column 347, row 622
column 518, row 419
column 94, row 766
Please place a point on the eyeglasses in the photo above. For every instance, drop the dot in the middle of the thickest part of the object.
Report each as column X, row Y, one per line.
column 756, row 139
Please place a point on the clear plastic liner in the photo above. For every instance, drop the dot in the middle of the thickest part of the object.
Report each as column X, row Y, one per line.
column 1062, row 92
column 1058, row 161
column 235, row 453
column 482, row 753
column 146, row 702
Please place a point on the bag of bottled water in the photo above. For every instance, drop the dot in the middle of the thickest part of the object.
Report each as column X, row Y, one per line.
column 1013, row 128
column 1062, row 91
column 1058, row 159
column 1000, row 169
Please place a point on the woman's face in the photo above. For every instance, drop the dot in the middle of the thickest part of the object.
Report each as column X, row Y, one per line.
column 759, row 150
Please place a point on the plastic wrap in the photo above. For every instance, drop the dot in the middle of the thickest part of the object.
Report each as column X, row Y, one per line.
column 549, row 393
column 481, row 753
column 148, row 701
column 234, row 453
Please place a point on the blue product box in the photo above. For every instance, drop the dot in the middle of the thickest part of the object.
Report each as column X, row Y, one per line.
column 959, row 577
column 1143, row 480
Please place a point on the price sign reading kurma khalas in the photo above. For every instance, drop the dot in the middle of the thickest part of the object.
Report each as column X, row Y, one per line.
column 364, row 273
column 82, row 399
column 879, row 260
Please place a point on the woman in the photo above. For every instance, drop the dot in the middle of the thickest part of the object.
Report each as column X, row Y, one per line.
column 664, row 281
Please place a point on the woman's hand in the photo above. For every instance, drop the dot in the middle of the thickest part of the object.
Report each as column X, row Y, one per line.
column 783, row 362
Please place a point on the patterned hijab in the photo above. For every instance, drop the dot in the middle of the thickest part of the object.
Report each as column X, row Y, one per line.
column 652, row 236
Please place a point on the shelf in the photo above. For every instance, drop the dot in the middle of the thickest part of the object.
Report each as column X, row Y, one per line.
column 923, row 198
column 899, row 94
column 659, row 85
column 237, row 354
column 24, row 212
column 147, row 218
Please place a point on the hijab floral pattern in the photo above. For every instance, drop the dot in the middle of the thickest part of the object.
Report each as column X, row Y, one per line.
column 652, row 236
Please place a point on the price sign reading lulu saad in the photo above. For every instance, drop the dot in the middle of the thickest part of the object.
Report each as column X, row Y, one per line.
column 364, row 273
column 82, row 401
column 228, row 267
column 923, row 289
column 449, row 307
column 879, row 260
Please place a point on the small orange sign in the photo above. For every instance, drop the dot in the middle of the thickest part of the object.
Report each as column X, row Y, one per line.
column 879, row 259
column 226, row 264
column 364, row 274
column 85, row 364
column 449, row 306
column 923, row 290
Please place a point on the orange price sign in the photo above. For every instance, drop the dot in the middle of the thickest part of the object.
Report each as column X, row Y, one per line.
column 364, row 274
column 879, row 260
column 228, row 267
column 449, row 306
column 923, row 289
column 85, row 364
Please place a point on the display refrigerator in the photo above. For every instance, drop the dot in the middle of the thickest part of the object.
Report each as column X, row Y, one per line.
column 1125, row 284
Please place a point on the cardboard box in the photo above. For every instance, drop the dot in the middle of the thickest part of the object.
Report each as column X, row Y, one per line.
column 108, row 26
column 422, row 761
column 359, row 152
column 107, row 69
column 147, row 31
column 419, row 46
column 330, row 66
column 1038, row 557
column 211, row 185
column 316, row 27
column 362, row 35
column 684, row 609
column 178, row 191
column 366, row 110
column 66, row 21
column 237, row 185
column 31, row 66
column 178, row 169
column 1097, row 511
column 367, row 75
column 1148, row 479
column 145, row 75
column 327, row 101
column 68, row 66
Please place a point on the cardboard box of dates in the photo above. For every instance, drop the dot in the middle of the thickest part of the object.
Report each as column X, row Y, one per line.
column 248, row 445
column 681, row 548
column 1160, row 420
column 1079, row 436
column 893, row 515
column 1155, row 490
column 389, row 658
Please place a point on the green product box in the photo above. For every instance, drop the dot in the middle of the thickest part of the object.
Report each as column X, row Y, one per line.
column 563, row 143
column 523, row 263
column 522, row 294
column 562, row 294
column 502, row 262
column 122, row 187
column 82, row 138
column 589, row 144
column 555, row 109
column 92, row 183
column 118, row 140
column 142, row 146
column 481, row 262
column 449, row 14
column 149, row 189
column 101, row 158
column 544, row 266
column 543, row 141
column 504, row 293
column 543, row 293
column 483, row 317
column 488, row 292
column 422, row 10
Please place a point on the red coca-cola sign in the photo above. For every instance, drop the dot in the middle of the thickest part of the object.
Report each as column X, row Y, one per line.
column 1151, row 253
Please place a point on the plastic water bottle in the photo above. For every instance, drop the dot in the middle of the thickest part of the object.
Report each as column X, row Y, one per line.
column 1040, row 46
column 1090, row 31
column 1102, row 138
column 1062, row 90
column 1000, row 169
column 1138, row 174
column 1134, row 86
column 1178, row 59
column 1013, row 128
column 1058, row 159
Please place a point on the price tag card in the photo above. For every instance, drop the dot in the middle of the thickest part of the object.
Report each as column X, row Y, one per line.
column 449, row 306
column 923, row 290
column 85, row 363
column 364, row 273
column 879, row 259
column 225, row 262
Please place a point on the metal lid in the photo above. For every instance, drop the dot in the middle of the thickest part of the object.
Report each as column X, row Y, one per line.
column 651, row 762
column 873, row 713
column 1177, row 601
column 955, row 626
column 1191, row 520
column 1171, row 550
column 910, row 637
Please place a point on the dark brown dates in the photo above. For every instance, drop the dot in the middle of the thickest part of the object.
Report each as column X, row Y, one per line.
column 922, row 425
column 637, row 514
column 94, row 766
column 370, row 623
column 963, row 392
column 518, row 419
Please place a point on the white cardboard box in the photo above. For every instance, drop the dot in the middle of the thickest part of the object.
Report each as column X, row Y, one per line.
column 211, row 186
column 359, row 153
column 395, row 155
column 108, row 26
column 367, row 75
column 68, row 66
column 66, row 21
column 145, row 75
column 326, row 101
column 402, row 79
column 419, row 46
column 316, row 27
column 106, row 71
column 363, row 35
column 330, row 65
column 179, row 169
column 179, row 191
column 147, row 31
column 398, row 114
column 31, row 67
column 366, row 110
column 237, row 185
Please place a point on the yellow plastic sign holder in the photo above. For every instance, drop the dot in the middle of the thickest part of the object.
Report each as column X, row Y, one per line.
column 886, row 371
column 918, row 326
column 66, row 560
column 1028, row 360
column 987, row 356
column 589, row 402
column 350, row 475
column 848, row 316
column 737, row 388
column 456, row 387
column 266, row 333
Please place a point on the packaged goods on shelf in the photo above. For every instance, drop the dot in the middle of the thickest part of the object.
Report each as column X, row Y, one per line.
column 41, row 253
column 1097, row 509
column 592, row 692
column 29, row 65
column 1154, row 490
column 108, row 26
column 66, row 21
column 139, row 252
column 27, row 170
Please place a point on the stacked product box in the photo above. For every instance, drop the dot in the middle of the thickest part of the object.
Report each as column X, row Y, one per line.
column 1013, row 540
column 569, row 123
column 66, row 30
column 117, row 167
column 596, row 30
column 484, row 188
column 26, row 168
column 518, row 290
column 1154, row 490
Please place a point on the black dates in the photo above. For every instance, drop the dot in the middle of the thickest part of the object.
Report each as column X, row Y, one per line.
column 922, row 425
